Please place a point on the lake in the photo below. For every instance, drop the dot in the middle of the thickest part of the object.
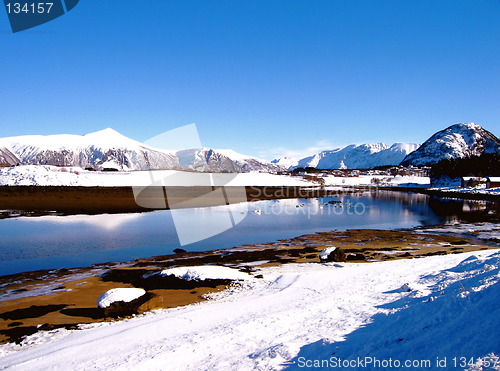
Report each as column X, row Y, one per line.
column 49, row 242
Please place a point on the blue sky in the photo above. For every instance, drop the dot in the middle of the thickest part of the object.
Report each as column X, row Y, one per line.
column 264, row 78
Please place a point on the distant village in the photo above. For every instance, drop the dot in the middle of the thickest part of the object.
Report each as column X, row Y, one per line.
column 436, row 180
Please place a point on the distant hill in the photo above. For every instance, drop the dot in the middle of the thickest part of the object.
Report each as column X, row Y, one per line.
column 456, row 141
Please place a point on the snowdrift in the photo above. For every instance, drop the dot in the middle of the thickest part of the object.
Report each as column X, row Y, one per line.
column 299, row 314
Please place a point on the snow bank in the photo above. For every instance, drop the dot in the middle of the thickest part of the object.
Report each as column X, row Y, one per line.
column 451, row 319
column 120, row 294
column 323, row 255
column 45, row 175
column 205, row 272
column 299, row 313
column 480, row 189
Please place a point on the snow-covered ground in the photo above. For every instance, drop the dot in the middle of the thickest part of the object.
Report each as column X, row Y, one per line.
column 44, row 175
column 380, row 180
column 480, row 189
column 446, row 184
column 405, row 181
column 434, row 311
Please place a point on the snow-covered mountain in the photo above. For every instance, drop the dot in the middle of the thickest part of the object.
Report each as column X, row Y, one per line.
column 7, row 157
column 109, row 149
column 206, row 159
column 248, row 163
column 363, row 156
column 285, row 162
column 456, row 141
column 102, row 149
column 222, row 160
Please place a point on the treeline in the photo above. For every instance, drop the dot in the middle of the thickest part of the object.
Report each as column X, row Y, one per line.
column 487, row 164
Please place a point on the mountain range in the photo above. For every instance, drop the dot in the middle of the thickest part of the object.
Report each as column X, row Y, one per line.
column 363, row 156
column 456, row 141
column 108, row 149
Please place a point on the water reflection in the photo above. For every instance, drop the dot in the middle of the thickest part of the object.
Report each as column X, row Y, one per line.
column 105, row 221
column 465, row 210
column 47, row 242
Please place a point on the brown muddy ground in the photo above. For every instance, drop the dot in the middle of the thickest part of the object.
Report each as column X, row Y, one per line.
column 70, row 296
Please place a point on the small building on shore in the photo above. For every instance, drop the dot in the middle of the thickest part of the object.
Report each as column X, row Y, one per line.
column 493, row 182
column 472, row 181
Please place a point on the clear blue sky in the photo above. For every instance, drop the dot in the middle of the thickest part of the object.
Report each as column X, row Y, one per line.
column 260, row 77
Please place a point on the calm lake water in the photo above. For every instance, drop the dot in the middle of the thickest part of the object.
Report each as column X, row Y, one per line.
column 49, row 242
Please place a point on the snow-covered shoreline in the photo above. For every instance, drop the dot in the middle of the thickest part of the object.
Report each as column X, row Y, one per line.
column 484, row 231
column 297, row 313
column 480, row 190
column 45, row 175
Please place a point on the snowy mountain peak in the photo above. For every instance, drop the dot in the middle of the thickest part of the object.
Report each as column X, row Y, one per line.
column 108, row 137
column 356, row 156
column 465, row 125
column 100, row 150
column 108, row 132
column 456, row 141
